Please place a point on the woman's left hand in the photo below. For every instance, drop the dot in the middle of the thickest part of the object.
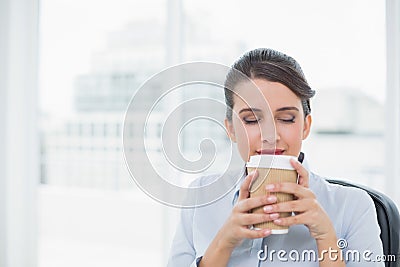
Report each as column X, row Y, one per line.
column 306, row 207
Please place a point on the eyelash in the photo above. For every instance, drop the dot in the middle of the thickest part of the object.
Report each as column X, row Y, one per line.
column 291, row 120
column 251, row 121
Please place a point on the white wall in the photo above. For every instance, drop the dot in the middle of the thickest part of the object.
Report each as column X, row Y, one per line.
column 18, row 135
column 3, row 84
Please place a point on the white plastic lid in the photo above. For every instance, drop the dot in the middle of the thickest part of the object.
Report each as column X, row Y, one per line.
column 271, row 161
column 279, row 231
column 276, row 231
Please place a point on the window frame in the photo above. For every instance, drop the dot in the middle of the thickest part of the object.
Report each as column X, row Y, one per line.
column 392, row 101
column 19, row 137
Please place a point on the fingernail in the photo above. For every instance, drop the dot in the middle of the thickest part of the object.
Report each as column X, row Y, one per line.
column 267, row 208
column 267, row 231
column 274, row 216
column 269, row 187
column 277, row 221
column 271, row 198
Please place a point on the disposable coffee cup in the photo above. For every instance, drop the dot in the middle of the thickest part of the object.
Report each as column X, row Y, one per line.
column 271, row 169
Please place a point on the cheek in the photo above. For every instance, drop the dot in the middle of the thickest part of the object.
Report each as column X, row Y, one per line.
column 247, row 142
column 246, row 137
column 292, row 135
column 246, row 133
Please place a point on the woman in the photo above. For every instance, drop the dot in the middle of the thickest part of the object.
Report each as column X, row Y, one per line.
column 275, row 119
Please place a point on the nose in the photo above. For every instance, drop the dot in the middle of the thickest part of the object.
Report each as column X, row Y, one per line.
column 269, row 133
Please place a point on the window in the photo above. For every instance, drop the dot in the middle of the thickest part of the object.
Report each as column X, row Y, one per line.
column 92, row 57
column 347, row 70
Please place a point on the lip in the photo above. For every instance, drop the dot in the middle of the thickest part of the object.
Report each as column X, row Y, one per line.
column 276, row 151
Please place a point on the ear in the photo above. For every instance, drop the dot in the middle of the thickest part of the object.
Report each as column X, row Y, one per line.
column 307, row 126
column 230, row 130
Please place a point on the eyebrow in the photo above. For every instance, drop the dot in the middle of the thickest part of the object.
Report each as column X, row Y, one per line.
column 287, row 108
column 250, row 109
column 259, row 110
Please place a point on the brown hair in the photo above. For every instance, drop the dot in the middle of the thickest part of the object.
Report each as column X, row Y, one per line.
column 270, row 65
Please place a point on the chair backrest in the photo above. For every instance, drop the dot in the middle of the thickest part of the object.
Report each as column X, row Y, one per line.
column 388, row 219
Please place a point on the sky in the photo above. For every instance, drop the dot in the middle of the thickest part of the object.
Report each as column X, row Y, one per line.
column 338, row 43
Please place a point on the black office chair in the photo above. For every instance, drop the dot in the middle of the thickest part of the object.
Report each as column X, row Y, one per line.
column 388, row 219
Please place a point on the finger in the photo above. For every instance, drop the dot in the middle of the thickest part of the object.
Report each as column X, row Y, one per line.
column 291, row 220
column 300, row 181
column 254, row 202
column 302, row 172
column 291, row 188
column 254, row 218
column 290, row 206
column 244, row 188
column 255, row 233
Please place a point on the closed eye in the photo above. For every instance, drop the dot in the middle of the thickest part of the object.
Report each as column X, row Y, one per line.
column 250, row 120
column 287, row 120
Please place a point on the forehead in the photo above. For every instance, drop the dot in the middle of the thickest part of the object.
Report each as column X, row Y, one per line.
column 260, row 93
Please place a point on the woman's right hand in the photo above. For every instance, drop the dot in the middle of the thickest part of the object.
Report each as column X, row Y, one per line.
column 237, row 226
